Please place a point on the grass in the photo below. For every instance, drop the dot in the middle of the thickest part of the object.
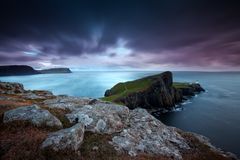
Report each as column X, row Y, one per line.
column 199, row 151
column 180, row 85
column 122, row 90
column 20, row 140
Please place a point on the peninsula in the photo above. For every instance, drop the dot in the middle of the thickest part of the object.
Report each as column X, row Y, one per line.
column 18, row 70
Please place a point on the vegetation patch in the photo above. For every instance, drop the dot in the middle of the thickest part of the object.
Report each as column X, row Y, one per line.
column 181, row 85
column 20, row 140
column 199, row 150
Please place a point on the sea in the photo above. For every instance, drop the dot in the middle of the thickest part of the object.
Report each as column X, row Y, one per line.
column 214, row 113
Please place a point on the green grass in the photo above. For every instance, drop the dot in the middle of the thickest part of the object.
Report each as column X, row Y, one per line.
column 179, row 85
column 121, row 90
column 124, row 89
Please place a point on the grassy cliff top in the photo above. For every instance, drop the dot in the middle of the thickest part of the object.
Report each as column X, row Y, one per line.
column 125, row 88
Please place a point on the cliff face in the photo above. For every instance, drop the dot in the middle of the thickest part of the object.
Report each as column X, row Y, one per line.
column 17, row 70
column 55, row 70
column 156, row 91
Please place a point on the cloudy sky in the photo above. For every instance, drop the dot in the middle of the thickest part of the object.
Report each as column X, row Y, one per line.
column 121, row 35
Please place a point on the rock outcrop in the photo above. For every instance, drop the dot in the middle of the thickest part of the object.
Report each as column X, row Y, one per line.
column 157, row 91
column 65, row 139
column 32, row 114
column 146, row 134
column 11, row 88
column 101, row 117
column 67, row 102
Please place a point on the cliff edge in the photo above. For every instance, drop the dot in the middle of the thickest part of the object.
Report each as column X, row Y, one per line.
column 152, row 92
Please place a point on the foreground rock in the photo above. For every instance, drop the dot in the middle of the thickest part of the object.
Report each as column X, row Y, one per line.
column 65, row 139
column 32, row 114
column 11, row 88
column 153, row 92
column 146, row 134
column 101, row 117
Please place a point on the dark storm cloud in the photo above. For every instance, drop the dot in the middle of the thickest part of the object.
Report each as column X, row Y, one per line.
column 166, row 31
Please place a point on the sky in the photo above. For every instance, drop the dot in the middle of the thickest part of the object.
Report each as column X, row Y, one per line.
column 121, row 34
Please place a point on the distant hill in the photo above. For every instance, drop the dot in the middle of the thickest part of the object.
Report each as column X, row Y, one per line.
column 17, row 70
column 14, row 70
column 55, row 70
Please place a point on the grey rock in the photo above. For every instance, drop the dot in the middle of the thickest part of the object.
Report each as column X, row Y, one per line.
column 146, row 134
column 67, row 102
column 41, row 94
column 11, row 88
column 34, row 115
column 70, row 138
column 101, row 117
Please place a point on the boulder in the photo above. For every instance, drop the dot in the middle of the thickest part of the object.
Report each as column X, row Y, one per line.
column 65, row 139
column 11, row 88
column 101, row 117
column 32, row 114
column 146, row 134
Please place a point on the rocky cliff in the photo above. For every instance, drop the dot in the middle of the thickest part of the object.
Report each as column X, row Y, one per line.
column 17, row 70
column 157, row 91
column 40, row 125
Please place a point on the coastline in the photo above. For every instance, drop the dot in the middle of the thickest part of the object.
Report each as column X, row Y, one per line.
column 15, row 94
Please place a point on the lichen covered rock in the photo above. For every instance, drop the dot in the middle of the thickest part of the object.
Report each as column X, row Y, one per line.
column 11, row 88
column 67, row 102
column 65, row 139
column 101, row 117
column 32, row 114
column 146, row 134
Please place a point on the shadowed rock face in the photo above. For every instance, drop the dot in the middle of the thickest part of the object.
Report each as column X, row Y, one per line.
column 157, row 91
column 17, row 70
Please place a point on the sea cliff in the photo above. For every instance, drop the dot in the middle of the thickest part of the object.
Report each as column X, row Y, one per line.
column 152, row 92
column 39, row 125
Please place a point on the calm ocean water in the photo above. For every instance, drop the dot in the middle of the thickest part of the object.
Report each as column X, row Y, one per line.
column 215, row 113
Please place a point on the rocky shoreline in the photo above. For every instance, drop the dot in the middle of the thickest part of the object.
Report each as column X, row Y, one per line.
column 40, row 125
